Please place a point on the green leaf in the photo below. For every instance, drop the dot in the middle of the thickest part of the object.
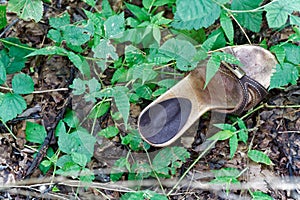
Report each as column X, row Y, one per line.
column 79, row 159
column 212, row 67
column 144, row 71
column 222, row 135
column 11, row 106
column 134, row 140
column 292, row 53
column 119, row 167
column 195, row 14
column 227, row 26
column 250, row 20
column 139, row 171
column 27, row 9
column 2, row 73
column 227, row 172
column 51, row 50
column 163, row 2
column 3, row 20
column 78, row 86
column 80, row 63
column 35, row 133
column 168, row 160
column 71, row 119
column 180, row 50
column 120, row 75
column 85, row 142
column 225, row 127
column 258, row 195
column 67, row 143
column 94, row 87
column 90, row 2
column 167, row 83
column 22, row 84
column 76, row 35
column 106, row 9
column 122, row 102
column 295, row 20
column 147, row 194
column 139, row 12
column 278, row 12
column 259, row 157
column 279, row 51
column 284, row 74
column 60, row 22
column 114, row 26
column 243, row 132
column 109, row 132
column 209, row 43
column 233, row 145
column 144, row 91
column 105, row 50
column 60, row 128
column 99, row 110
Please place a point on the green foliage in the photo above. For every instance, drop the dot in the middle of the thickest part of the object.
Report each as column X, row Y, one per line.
column 259, row 157
column 109, row 132
column 35, row 133
column 22, row 84
column 3, row 20
column 11, row 105
column 258, row 195
column 27, row 10
column 147, row 194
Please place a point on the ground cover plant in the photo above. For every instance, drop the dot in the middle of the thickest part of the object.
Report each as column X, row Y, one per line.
column 75, row 75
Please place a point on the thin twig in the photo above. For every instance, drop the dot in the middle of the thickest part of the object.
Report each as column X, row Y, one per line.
column 242, row 29
column 38, row 92
column 9, row 26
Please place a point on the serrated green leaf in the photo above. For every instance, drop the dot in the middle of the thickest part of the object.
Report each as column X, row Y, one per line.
column 71, row 119
column 169, row 159
column 80, row 63
column 295, row 20
column 2, row 73
column 180, row 50
column 147, row 194
column 139, row 171
column 27, row 9
column 139, row 12
column 209, row 43
column 159, row 20
column 145, row 72
column 144, row 91
column 225, row 127
column 99, row 110
column 227, row 26
column 243, row 132
column 35, row 133
column 60, row 22
column 109, row 132
column 122, row 102
column 55, row 35
column 195, row 14
column 107, row 11
column 284, row 74
column 22, row 84
column 3, row 20
column 159, row 92
column 85, row 142
column 278, row 12
column 134, row 140
column 76, row 35
column 120, row 75
column 212, row 67
column 259, row 157
column 78, row 86
column 79, row 159
column 279, row 51
column 292, row 53
column 114, row 26
column 60, row 128
column 233, row 145
column 258, row 195
column 94, row 87
column 105, row 50
column 167, row 83
column 222, row 135
column 51, row 50
column 119, row 167
column 226, row 172
column 250, row 20
column 11, row 106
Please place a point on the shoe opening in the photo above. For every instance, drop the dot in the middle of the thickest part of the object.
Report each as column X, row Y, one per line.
column 162, row 121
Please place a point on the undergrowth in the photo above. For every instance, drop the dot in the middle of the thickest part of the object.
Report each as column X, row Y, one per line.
column 153, row 44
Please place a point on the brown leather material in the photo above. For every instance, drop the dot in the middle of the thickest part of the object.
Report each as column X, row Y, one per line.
column 170, row 115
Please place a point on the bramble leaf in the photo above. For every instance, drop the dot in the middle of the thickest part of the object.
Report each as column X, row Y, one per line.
column 284, row 74
column 259, row 157
column 250, row 20
column 227, row 26
column 27, row 9
column 212, row 67
column 51, row 50
column 122, row 102
column 2, row 73
column 3, row 20
column 105, row 50
column 78, row 86
column 120, row 166
column 109, row 132
column 35, row 133
column 22, row 84
column 99, row 110
column 11, row 106
column 60, row 22
column 114, row 26
column 233, row 145
column 195, row 14
column 144, row 72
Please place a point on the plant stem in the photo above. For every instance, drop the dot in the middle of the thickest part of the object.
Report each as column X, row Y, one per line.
column 5, row 125
column 192, row 165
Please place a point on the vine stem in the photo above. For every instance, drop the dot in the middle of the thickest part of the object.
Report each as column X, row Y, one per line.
column 38, row 92
column 192, row 165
